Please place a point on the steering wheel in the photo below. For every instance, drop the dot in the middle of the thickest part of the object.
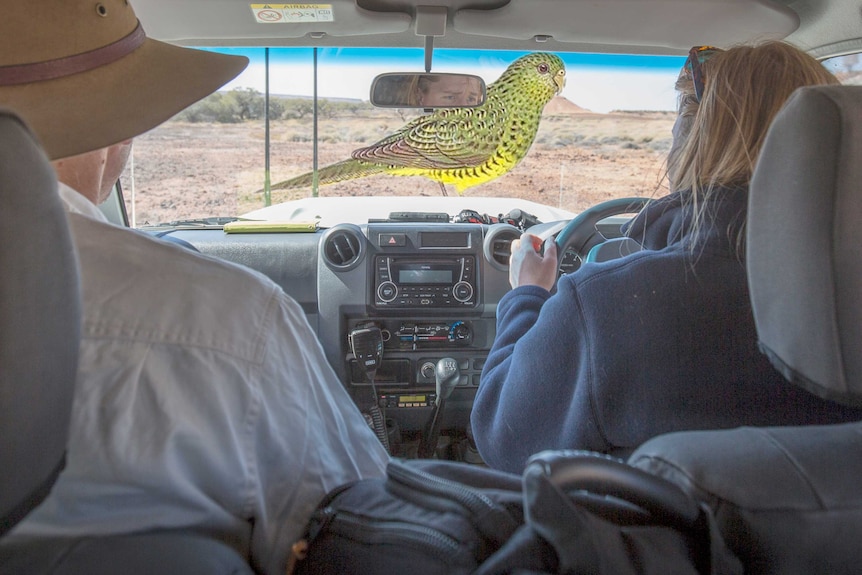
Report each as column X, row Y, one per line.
column 580, row 234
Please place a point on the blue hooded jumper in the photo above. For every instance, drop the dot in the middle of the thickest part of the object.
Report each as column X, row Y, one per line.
column 661, row 340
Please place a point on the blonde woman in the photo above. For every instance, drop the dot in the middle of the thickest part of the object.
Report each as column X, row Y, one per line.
column 664, row 339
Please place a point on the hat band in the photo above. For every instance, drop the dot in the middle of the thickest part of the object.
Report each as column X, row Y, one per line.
column 53, row 69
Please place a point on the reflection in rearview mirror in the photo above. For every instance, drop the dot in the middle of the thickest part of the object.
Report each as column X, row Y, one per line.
column 427, row 90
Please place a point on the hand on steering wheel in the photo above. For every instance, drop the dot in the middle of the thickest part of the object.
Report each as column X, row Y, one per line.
column 530, row 266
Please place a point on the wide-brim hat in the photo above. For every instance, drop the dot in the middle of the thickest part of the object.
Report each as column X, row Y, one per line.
column 84, row 75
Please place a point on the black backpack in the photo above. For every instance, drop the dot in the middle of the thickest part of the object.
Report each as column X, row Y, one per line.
column 570, row 512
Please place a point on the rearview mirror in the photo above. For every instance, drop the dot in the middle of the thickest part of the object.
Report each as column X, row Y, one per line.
column 427, row 90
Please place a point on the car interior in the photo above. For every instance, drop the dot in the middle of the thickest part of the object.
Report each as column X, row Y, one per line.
column 418, row 290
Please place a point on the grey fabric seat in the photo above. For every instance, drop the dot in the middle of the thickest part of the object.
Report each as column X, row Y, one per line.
column 40, row 325
column 40, row 333
column 789, row 499
column 165, row 553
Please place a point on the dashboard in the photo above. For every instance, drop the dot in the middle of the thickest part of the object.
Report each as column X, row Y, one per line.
column 430, row 288
column 432, row 293
column 425, row 284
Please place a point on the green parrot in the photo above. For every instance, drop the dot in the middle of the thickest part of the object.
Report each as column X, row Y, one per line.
column 461, row 146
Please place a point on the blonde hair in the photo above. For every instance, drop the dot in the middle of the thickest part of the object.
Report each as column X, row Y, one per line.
column 745, row 86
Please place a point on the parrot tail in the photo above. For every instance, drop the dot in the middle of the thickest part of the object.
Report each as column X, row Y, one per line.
column 346, row 170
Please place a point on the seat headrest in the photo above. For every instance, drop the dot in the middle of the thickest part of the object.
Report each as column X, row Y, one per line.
column 804, row 242
column 40, row 322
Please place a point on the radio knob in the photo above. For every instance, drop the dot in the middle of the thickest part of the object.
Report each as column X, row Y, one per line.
column 387, row 291
column 462, row 291
column 460, row 331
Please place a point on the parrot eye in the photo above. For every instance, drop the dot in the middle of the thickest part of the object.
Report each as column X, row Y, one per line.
column 543, row 68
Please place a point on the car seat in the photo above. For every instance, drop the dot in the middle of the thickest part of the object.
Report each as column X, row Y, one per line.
column 40, row 327
column 788, row 500
column 40, row 333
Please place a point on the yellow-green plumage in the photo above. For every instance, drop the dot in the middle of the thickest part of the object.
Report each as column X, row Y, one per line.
column 463, row 147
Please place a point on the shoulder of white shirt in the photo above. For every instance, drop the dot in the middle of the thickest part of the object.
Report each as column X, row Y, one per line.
column 76, row 203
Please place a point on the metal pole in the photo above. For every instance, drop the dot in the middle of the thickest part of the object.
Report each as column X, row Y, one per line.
column 267, row 197
column 315, row 177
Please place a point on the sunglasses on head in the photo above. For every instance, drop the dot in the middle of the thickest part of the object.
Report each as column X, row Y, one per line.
column 696, row 57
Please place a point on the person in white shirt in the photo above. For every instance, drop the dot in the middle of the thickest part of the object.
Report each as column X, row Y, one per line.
column 203, row 399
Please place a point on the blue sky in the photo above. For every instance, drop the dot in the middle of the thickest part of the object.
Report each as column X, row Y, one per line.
column 598, row 82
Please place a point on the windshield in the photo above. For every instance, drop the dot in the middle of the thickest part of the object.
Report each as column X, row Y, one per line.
column 604, row 134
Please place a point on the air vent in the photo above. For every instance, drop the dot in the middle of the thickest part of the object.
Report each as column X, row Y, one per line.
column 501, row 250
column 498, row 244
column 343, row 247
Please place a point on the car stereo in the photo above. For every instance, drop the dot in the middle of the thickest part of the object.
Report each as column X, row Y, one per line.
column 438, row 282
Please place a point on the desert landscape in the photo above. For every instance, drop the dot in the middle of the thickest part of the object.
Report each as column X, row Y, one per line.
column 190, row 170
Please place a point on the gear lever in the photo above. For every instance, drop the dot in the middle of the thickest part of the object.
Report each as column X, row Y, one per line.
column 446, row 376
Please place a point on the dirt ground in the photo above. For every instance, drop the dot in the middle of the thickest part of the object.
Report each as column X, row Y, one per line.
column 183, row 170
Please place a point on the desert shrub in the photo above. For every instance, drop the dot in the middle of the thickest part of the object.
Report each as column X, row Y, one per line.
column 214, row 108
column 662, row 145
column 297, row 107
column 247, row 103
column 276, row 108
column 237, row 105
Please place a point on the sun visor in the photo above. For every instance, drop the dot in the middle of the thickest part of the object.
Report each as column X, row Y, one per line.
column 634, row 22
column 190, row 23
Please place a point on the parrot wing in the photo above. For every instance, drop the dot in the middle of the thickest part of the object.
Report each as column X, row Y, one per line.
column 448, row 139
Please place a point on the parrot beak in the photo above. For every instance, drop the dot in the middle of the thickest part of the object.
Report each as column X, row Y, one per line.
column 560, row 81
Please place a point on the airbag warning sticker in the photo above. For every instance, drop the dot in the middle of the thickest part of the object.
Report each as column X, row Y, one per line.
column 291, row 13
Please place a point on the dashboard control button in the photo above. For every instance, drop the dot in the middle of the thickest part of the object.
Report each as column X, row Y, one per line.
column 387, row 291
column 462, row 291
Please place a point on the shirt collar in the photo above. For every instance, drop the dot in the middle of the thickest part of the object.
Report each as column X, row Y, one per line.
column 76, row 203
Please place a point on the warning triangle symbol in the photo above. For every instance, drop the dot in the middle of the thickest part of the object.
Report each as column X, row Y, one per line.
column 391, row 240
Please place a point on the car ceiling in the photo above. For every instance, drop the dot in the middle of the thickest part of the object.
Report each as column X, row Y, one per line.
column 824, row 27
